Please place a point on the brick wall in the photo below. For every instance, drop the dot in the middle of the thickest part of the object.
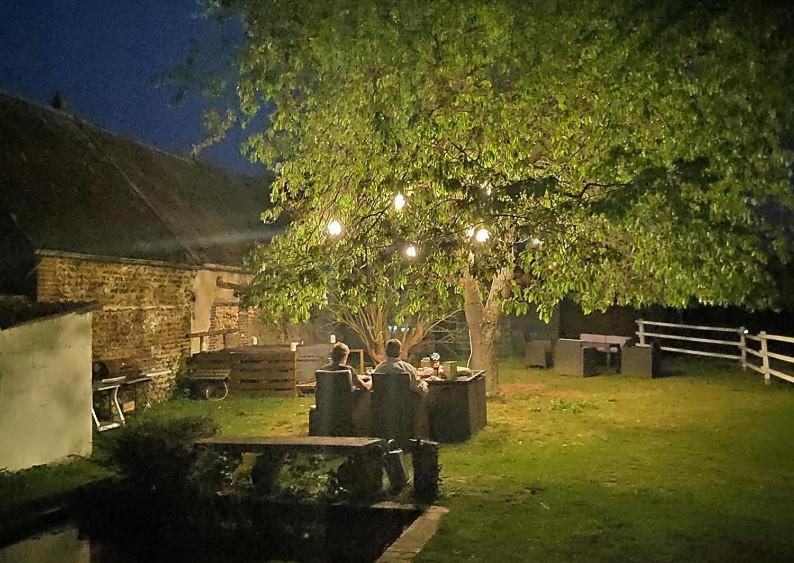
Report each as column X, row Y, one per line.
column 147, row 310
column 145, row 315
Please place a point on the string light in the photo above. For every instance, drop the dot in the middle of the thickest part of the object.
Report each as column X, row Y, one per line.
column 410, row 251
column 399, row 202
column 334, row 228
column 482, row 235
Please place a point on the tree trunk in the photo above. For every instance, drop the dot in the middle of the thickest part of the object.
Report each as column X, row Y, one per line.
column 482, row 320
column 372, row 327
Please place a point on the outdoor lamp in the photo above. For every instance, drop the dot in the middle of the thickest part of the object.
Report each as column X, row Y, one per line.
column 410, row 251
column 482, row 235
column 334, row 228
column 399, row 202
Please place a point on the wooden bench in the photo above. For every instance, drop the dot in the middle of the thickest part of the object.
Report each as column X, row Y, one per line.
column 271, row 371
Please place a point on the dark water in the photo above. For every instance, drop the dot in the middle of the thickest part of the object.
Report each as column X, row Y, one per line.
column 349, row 534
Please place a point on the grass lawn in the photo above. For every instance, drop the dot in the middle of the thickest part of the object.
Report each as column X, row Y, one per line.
column 697, row 466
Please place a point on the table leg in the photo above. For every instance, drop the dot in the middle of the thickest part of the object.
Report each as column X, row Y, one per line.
column 118, row 406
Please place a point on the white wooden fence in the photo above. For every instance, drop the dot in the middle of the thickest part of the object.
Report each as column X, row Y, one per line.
column 734, row 340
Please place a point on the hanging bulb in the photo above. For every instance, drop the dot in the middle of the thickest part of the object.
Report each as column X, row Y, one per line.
column 399, row 202
column 410, row 251
column 482, row 235
column 334, row 228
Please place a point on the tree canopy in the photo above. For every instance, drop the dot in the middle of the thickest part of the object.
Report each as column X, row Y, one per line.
column 616, row 152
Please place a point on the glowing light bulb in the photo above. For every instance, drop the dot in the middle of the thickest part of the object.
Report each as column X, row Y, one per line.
column 334, row 228
column 482, row 235
column 410, row 251
column 399, row 202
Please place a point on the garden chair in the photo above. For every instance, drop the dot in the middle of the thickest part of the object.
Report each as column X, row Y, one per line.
column 332, row 414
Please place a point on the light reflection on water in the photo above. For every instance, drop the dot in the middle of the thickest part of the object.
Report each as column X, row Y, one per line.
column 61, row 545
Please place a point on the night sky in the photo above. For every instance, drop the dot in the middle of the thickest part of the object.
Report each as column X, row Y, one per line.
column 103, row 55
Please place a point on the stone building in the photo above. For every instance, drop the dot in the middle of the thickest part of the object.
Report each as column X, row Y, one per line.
column 156, row 240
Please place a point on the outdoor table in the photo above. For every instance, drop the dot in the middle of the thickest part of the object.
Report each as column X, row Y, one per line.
column 457, row 407
column 109, row 388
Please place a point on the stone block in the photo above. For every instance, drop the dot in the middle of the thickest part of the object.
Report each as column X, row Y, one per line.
column 567, row 357
column 538, row 353
column 640, row 361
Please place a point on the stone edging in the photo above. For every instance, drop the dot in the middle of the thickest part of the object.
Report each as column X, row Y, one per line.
column 414, row 538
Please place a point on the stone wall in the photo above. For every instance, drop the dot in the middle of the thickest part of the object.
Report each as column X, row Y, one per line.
column 155, row 315
column 147, row 311
column 45, row 391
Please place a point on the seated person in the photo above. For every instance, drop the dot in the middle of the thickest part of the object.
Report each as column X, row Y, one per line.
column 339, row 354
column 394, row 365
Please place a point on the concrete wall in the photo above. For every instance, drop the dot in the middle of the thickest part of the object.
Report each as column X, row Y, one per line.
column 45, row 391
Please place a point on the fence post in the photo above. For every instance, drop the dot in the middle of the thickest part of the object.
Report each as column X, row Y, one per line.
column 765, row 357
column 642, row 332
column 743, row 346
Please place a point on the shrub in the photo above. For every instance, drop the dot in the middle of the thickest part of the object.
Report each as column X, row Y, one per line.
column 156, row 457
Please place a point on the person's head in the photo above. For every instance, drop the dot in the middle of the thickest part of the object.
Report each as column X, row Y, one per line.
column 339, row 353
column 393, row 348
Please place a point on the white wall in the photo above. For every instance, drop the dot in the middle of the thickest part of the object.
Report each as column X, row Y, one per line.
column 206, row 293
column 45, row 391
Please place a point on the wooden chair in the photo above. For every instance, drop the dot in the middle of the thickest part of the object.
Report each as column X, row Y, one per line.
column 332, row 414
column 394, row 406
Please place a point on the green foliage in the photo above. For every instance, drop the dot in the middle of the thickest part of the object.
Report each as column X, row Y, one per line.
column 156, row 457
column 39, row 485
column 618, row 152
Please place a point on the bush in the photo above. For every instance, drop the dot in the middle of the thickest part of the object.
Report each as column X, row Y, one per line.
column 156, row 457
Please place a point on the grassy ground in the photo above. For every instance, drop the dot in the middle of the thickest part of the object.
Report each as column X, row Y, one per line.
column 698, row 466
column 23, row 487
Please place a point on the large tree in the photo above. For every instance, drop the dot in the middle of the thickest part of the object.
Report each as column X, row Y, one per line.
column 615, row 152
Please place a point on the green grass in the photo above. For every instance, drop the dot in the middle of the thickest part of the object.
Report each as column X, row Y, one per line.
column 698, row 467
column 239, row 416
column 41, row 482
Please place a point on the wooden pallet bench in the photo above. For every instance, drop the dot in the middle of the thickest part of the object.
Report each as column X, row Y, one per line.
column 271, row 371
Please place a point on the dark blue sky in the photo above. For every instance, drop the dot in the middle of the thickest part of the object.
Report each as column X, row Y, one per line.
column 103, row 54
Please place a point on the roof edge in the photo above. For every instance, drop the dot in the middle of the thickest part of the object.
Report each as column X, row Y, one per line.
column 49, row 253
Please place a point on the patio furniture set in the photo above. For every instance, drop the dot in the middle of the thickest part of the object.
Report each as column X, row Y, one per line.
column 592, row 354
column 453, row 410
